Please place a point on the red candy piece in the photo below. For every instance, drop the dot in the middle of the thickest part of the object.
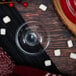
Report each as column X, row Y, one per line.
column 25, row 4
column 11, row 4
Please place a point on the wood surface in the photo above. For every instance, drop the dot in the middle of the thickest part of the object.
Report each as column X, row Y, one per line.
column 58, row 32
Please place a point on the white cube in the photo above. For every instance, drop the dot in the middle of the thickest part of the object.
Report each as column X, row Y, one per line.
column 54, row 75
column 6, row 19
column 43, row 7
column 48, row 74
column 57, row 52
column 3, row 31
column 70, row 43
column 47, row 63
column 73, row 55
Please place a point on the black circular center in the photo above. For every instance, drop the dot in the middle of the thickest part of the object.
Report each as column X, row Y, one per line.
column 30, row 39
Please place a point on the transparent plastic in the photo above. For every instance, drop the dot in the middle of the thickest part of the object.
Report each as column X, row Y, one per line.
column 32, row 34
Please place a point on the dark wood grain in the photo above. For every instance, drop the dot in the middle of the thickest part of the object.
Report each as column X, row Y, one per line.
column 58, row 33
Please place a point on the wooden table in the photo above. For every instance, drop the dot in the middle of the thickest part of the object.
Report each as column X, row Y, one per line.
column 58, row 33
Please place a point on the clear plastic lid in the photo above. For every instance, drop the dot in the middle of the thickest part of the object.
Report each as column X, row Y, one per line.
column 32, row 37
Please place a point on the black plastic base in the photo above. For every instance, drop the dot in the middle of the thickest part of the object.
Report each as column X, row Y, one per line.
column 9, row 44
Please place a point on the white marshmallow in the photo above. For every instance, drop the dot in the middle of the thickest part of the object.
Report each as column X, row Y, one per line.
column 48, row 74
column 48, row 63
column 43, row 7
column 70, row 43
column 6, row 19
column 3, row 31
column 73, row 55
column 57, row 52
column 54, row 75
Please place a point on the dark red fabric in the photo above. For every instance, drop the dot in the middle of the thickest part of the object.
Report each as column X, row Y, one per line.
column 6, row 64
column 67, row 11
column 28, row 71
column 8, row 68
